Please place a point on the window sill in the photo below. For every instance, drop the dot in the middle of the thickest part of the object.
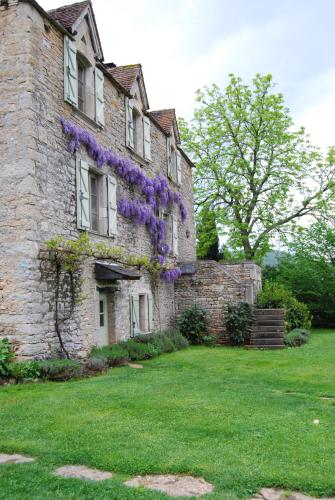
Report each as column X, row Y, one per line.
column 96, row 233
column 87, row 118
column 138, row 157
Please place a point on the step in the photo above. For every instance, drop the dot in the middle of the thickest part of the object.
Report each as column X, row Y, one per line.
column 256, row 334
column 268, row 328
column 279, row 346
column 266, row 322
column 266, row 341
column 269, row 311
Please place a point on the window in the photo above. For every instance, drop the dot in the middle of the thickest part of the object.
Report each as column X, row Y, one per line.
column 141, row 313
column 173, row 163
column 83, row 83
column 96, row 201
column 138, row 137
column 81, row 86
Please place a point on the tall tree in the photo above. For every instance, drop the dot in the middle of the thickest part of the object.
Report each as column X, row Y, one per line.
column 257, row 173
column 207, row 235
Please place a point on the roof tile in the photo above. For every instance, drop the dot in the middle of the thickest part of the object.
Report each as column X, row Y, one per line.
column 68, row 14
column 125, row 75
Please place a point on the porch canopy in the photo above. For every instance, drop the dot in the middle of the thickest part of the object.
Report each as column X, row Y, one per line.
column 106, row 271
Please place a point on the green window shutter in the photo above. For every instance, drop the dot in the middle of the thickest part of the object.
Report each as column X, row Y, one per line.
column 70, row 72
column 146, row 138
column 112, row 205
column 150, row 322
column 83, row 196
column 99, row 97
column 175, row 235
column 178, row 166
column 134, row 315
column 129, row 124
column 169, row 157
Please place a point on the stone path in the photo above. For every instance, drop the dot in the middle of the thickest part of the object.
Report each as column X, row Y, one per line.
column 15, row 459
column 82, row 472
column 174, row 486
column 134, row 365
column 274, row 494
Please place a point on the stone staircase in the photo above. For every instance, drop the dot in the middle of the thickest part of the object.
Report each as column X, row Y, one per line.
column 268, row 329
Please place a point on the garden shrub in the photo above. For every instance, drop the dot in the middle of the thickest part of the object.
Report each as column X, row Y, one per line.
column 24, row 370
column 93, row 365
column 137, row 351
column 60, row 369
column 274, row 295
column 6, row 356
column 158, row 340
column 178, row 340
column 296, row 337
column 210, row 340
column 115, row 354
column 193, row 324
column 238, row 321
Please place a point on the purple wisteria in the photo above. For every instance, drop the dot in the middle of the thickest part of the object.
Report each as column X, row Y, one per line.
column 156, row 191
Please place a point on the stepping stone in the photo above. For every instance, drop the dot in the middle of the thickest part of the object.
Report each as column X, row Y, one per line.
column 274, row 494
column 82, row 472
column 134, row 365
column 15, row 459
column 174, row 486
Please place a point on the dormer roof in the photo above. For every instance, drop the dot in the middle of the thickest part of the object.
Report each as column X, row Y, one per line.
column 127, row 76
column 166, row 119
column 71, row 16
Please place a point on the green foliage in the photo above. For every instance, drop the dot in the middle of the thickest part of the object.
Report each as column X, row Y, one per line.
column 207, row 235
column 24, row 370
column 137, row 351
column 238, row 322
column 6, row 356
column 309, row 271
column 193, row 324
column 115, row 355
column 161, row 343
column 253, row 170
column 276, row 296
column 178, row 340
column 210, row 340
column 96, row 365
column 296, row 337
column 60, row 369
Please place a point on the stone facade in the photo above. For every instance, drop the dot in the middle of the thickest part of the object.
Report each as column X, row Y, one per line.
column 39, row 187
column 213, row 286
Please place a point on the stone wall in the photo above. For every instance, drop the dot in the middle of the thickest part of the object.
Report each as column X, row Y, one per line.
column 213, row 286
column 38, row 184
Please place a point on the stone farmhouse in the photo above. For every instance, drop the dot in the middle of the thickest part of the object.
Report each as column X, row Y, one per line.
column 81, row 151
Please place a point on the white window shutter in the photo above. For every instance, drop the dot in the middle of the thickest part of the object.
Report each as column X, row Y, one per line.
column 169, row 158
column 134, row 315
column 146, row 138
column 150, row 313
column 70, row 72
column 129, row 124
column 178, row 167
column 175, row 235
column 112, row 205
column 83, row 196
column 99, row 97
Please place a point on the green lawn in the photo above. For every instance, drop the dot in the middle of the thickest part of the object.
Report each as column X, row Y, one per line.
column 241, row 419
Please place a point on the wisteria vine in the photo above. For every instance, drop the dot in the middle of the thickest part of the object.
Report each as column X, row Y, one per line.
column 156, row 191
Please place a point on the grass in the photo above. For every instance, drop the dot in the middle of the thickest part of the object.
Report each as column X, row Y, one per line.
column 241, row 419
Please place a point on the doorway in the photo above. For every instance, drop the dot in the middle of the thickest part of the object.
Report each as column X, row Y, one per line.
column 102, row 337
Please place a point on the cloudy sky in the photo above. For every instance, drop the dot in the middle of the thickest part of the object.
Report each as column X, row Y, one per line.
column 186, row 44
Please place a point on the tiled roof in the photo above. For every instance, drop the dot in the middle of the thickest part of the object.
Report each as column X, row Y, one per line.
column 68, row 14
column 165, row 118
column 125, row 75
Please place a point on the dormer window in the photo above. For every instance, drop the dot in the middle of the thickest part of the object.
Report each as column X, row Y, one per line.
column 173, row 162
column 138, row 137
column 83, row 83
